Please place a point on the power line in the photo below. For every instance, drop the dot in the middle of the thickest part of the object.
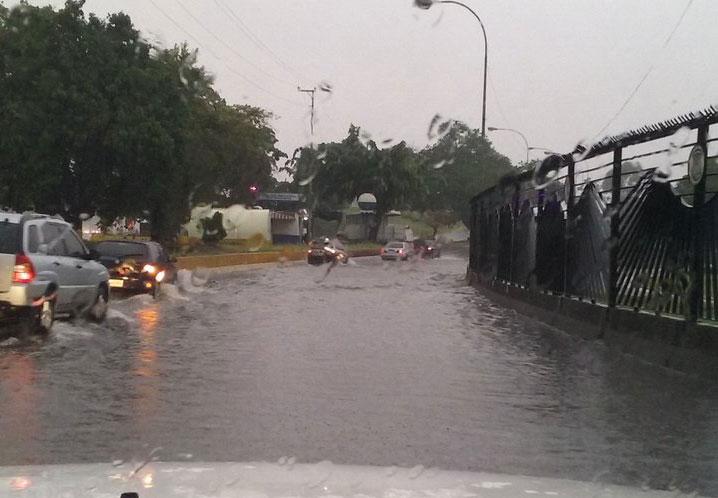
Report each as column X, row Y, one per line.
column 230, row 68
column 229, row 47
column 501, row 111
column 178, row 26
column 256, row 40
column 648, row 72
column 496, row 98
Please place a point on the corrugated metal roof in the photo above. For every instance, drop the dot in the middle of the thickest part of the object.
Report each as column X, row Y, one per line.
column 283, row 215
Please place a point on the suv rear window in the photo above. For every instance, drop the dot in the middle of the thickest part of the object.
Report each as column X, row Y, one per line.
column 122, row 249
column 396, row 245
column 9, row 237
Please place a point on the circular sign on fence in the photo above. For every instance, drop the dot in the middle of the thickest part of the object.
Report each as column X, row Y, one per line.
column 696, row 164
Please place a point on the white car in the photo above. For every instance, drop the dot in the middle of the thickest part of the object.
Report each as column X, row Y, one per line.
column 45, row 269
column 397, row 250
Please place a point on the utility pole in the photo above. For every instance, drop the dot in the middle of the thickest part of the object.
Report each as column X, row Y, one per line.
column 311, row 91
column 310, row 228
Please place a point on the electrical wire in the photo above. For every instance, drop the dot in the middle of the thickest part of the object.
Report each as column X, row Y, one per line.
column 496, row 101
column 230, row 68
column 229, row 47
column 178, row 26
column 648, row 72
column 517, row 140
column 256, row 40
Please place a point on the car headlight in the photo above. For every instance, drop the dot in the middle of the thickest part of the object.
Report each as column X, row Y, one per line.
column 149, row 269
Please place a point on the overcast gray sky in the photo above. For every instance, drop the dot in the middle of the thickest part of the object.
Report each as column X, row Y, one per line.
column 559, row 69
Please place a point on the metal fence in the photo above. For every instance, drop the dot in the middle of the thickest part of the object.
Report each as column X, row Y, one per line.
column 631, row 221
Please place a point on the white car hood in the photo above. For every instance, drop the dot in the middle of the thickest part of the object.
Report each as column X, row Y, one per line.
column 287, row 480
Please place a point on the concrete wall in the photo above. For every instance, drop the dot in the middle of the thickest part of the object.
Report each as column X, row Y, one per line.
column 239, row 222
column 662, row 340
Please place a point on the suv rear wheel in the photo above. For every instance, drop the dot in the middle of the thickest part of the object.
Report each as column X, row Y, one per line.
column 46, row 317
column 98, row 311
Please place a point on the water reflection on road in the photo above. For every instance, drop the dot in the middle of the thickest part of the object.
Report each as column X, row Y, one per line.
column 381, row 364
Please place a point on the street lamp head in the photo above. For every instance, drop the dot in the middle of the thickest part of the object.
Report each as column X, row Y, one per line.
column 491, row 128
column 423, row 4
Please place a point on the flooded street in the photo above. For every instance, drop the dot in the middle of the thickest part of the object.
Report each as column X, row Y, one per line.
column 378, row 364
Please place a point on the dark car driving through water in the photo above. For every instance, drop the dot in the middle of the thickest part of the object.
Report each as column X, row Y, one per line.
column 322, row 250
column 137, row 266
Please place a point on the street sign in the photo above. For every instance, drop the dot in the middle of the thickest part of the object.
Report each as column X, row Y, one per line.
column 279, row 197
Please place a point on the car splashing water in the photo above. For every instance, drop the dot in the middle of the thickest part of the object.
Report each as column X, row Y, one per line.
column 382, row 363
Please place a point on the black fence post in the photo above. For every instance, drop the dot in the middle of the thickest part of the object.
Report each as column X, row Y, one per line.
column 473, row 235
column 571, row 179
column 514, row 216
column 697, row 258
column 615, row 232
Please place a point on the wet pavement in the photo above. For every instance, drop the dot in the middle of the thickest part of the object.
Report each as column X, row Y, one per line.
column 378, row 364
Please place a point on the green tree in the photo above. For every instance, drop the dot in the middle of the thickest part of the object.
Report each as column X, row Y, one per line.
column 439, row 218
column 336, row 173
column 96, row 120
column 457, row 167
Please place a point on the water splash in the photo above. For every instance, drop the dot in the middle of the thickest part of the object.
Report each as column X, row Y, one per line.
column 186, row 65
column 255, row 242
column 430, row 133
column 306, row 181
column 663, row 172
column 547, row 172
column 583, row 147
column 437, row 127
column 325, row 86
column 680, row 137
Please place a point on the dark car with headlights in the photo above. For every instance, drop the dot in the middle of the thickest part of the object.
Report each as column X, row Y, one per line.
column 427, row 248
column 136, row 266
column 322, row 251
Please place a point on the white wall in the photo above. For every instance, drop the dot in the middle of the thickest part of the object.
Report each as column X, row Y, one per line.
column 239, row 222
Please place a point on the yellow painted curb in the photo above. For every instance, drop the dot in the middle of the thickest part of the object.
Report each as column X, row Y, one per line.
column 252, row 258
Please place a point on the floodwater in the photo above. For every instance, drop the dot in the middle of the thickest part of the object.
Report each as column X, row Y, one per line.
column 376, row 364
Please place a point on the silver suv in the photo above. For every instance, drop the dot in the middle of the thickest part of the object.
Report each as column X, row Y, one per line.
column 45, row 269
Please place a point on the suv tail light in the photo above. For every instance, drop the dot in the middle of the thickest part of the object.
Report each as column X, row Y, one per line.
column 23, row 271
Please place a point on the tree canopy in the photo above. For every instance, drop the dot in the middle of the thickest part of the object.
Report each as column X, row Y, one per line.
column 95, row 119
column 437, row 181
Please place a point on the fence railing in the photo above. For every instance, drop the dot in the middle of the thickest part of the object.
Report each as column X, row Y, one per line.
column 631, row 221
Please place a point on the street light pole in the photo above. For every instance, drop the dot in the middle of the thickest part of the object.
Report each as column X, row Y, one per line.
column 426, row 4
column 492, row 128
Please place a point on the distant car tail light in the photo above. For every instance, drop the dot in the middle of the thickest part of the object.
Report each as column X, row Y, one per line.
column 401, row 251
column 383, row 250
column 149, row 269
column 23, row 271
column 160, row 276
